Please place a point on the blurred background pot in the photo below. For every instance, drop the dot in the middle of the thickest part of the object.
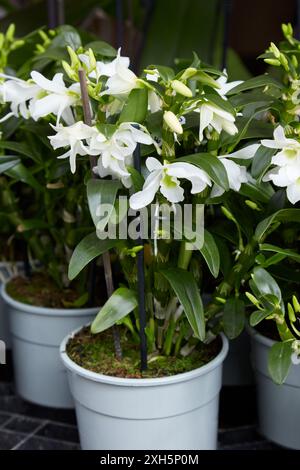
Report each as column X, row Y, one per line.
column 278, row 405
column 36, row 334
column 8, row 269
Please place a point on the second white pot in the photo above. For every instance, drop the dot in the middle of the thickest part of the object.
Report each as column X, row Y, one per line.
column 178, row 412
column 36, row 335
column 278, row 405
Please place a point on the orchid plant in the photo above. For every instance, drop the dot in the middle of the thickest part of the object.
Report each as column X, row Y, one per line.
column 201, row 140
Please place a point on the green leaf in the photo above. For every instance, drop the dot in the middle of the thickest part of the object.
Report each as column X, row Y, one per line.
column 185, row 287
column 256, row 82
column 257, row 192
column 121, row 303
column 102, row 193
column 166, row 73
column 265, row 283
column 137, row 179
column 234, row 317
column 20, row 148
column 20, row 173
column 261, row 161
column 205, row 79
column 8, row 162
column 210, row 253
column 211, row 165
column 259, row 315
column 279, row 361
column 283, row 215
column 88, row 249
column 277, row 249
column 135, row 109
column 101, row 48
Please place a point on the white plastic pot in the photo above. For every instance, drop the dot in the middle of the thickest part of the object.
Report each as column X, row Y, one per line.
column 178, row 412
column 8, row 269
column 278, row 405
column 36, row 335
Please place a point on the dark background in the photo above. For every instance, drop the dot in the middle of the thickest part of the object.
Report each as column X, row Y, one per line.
column 158, row 31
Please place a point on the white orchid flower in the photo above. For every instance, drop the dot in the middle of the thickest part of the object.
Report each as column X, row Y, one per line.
column 237, row 174
column 105, row 69
column 116, row 152
column 288, row 177
column 215, row 117
column 152, row 75
column 73, row 137
column 290, row 148
column 18, row 93
column 58, row 99
column 165, row 178
column 225, row 87
column 287, row 170
column 121, row 79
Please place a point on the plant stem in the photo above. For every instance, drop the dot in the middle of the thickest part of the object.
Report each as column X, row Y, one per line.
column 184, row 257
column 105, row 256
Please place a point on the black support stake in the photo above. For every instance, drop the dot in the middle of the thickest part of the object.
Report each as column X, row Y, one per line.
column 120, row 25
column 227, row 5
column 141, row 281
column 56, row 13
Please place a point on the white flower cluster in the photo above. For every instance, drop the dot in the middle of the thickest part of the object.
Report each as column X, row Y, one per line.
column 286, row 170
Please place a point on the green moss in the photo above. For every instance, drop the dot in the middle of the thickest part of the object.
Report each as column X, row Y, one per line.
column 96, row 353
column 39, row 290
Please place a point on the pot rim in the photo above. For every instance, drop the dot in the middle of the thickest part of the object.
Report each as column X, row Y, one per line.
column 148, row 382
column 259, row 337
column 33, row 309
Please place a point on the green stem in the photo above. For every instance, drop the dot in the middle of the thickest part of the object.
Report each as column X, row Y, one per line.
column 184, row 256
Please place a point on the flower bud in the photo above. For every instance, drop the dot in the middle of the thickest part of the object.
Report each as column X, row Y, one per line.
column 10, row 32
column 181, row 88
column 75, row 62
column 275, row 50
column 274, row 62
column 295, row 61
column 296, row 304
column 252, row 299
column 188, row 73
column 284, row 62
column 252, row 205
column 69, row 71
column 291, row 313
column 172, row 122
column 92, row 58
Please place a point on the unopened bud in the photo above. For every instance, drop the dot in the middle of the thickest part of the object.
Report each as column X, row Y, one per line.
column 252, row 299
column 252, row 205
column 296, row 304
column 172, row 122
column 227, row 213
column 275, row 50
column 181, row 88
column 75, row 62
column 284, row 62
column 92, row 58
column 188, row 73
column 69, row 71
column 295, row 61
column 291, row 313
column 10, row 32
column 274, row 62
